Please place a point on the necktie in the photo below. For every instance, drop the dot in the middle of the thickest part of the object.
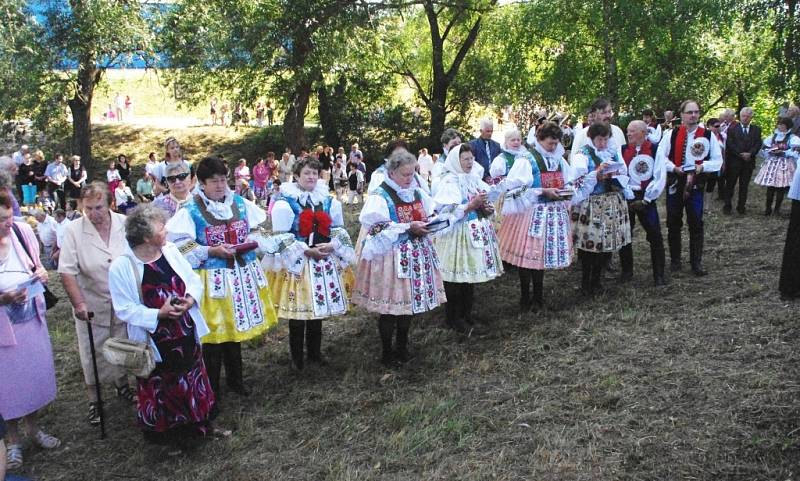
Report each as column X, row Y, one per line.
column 746, row 130
column 488, row 152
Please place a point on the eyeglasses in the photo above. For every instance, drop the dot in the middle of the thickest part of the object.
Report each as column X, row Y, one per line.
column 690, row 112
column 175, row 178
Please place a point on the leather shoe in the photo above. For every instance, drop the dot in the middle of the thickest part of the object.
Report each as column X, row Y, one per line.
column 727, row 210
column 675, row 266
column 699, row 271
column 626, row 277
column 660, row 281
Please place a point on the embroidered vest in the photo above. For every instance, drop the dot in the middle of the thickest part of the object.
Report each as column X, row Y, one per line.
column 783, row 145
column 678, row 159
column 544, row 178
column 401, row 211
column 325, row 205
column 509, row 158
column 210, row 231
column 592, row 161
column 629, row 152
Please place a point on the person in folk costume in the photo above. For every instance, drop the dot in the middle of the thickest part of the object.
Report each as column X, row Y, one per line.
column 468, row 250
column 647, row 181
column 600, row 222
column 377, row 178
column 536, row 233
column 215, row 231
column 789, row 283
column 309, row 251
column 685, row 183
column 781, row 153
column 501, row 165
column 653, row 128
column 397, row 275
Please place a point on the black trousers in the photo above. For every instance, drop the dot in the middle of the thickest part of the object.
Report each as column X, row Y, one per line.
column 460, row 297
column 714, row 180
column 648, row 218
column 693, row 206
column 229, row 354
column 739, row 172
column 789, row 284
column 57, row 195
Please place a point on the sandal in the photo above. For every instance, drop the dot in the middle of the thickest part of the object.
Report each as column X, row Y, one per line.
column 94, row 414
column 14, row 456
column 46, row 441
column 126, row 393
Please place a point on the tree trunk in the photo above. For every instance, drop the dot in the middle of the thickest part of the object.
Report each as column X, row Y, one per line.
column 437, row 109
column 330, row 111
column 294, row 120
column 81, row 107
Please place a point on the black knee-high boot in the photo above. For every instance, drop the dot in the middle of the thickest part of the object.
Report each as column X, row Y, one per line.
column 314, row 341
column 212, row 358
column 386, row 326
column 234, row 377
column 770, row 197
column 403, row 326
column 525, row 277
column 538, row 289
column 779, row 193
column 297, row 328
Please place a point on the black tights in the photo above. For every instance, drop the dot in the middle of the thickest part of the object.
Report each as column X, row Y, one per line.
column 460, row 297
column 312, row 329
column 387, row 324
column 592, row 264
column 526, row 277
column 776, row 193
column 229, row 354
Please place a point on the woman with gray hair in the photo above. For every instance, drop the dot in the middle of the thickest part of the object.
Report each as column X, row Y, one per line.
column 398, row 275
column 155, row 291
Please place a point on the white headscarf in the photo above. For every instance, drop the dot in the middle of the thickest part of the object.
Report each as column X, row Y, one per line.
column 469, row 183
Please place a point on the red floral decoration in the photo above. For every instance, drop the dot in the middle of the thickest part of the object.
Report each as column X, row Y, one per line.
column 319, row 222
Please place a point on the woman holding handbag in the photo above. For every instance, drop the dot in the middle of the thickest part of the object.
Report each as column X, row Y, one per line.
column 154, row 291
column 28, row 380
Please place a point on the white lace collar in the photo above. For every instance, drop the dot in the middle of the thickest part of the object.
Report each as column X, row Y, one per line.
column 221, row 210
column 407, row 195
column 317, row 196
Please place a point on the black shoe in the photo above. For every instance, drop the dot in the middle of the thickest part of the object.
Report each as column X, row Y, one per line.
column 460, row 326
column 388, row 360
column 537, row 306
column 727, row 210
column 402, row 356
column 318, row 360
column 659, row 281
column 768, row 212
column 699, row 271
column 741, row 210
column 626, row 277
column 675, row 266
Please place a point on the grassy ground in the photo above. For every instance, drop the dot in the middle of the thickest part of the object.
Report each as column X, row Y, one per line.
column 698, row 380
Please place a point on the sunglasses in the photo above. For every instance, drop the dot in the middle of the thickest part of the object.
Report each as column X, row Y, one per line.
column 174, row 178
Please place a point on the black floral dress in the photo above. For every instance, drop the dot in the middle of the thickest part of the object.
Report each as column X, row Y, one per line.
column 177, row 397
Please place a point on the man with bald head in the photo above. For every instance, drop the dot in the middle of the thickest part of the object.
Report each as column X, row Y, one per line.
column 743, row 143
column 647, row 180
column 484, row 148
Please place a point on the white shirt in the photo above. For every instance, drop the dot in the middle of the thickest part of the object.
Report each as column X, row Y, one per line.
column 47, row 231
column 18, row 157
column 654, row 136
column 121, row 195
column 60, row 226
column 425, row 166
column 713, row 164
column 617, row 137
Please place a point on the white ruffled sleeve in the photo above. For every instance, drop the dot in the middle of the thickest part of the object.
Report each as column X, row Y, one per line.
column 255, row 214
column 794, row 148
column 281, row 250
column 449, row 200
column 343, row 248
column 181, row 231
column 520, row 196
column 498, row 167
column 658, row 182
column 382, row 232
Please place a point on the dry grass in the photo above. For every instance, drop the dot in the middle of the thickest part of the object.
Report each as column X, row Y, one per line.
column 698, row 380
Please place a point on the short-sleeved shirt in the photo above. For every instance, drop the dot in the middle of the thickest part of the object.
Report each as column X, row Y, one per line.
column 85, row 256
column 57, row 171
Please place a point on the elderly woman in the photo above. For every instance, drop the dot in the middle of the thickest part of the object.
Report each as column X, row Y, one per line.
column 306, row 266
column 176, row 400
column 179, row 180
column 398, row 274
column 26, row 356
column 213, row 232
column 469, row 251
column 89, row 246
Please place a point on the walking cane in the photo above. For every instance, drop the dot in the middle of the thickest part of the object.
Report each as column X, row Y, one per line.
column 96, row 378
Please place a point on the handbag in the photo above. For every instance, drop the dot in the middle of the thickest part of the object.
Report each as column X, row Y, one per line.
column 50, row 299
column 136, row 358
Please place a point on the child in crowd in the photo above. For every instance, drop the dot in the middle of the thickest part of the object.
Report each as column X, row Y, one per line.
column 241, row 173
column 274, row 194
column 45, row 202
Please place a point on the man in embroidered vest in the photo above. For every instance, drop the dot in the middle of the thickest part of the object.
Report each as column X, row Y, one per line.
column 685, row 165
column 742, row 145
column 648, row 179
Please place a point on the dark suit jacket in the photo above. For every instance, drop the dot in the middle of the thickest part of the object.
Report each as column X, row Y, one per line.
column 479, row 150
column 738, row 142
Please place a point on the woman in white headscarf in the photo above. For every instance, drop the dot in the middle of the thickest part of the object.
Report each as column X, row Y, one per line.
column 468, row 251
